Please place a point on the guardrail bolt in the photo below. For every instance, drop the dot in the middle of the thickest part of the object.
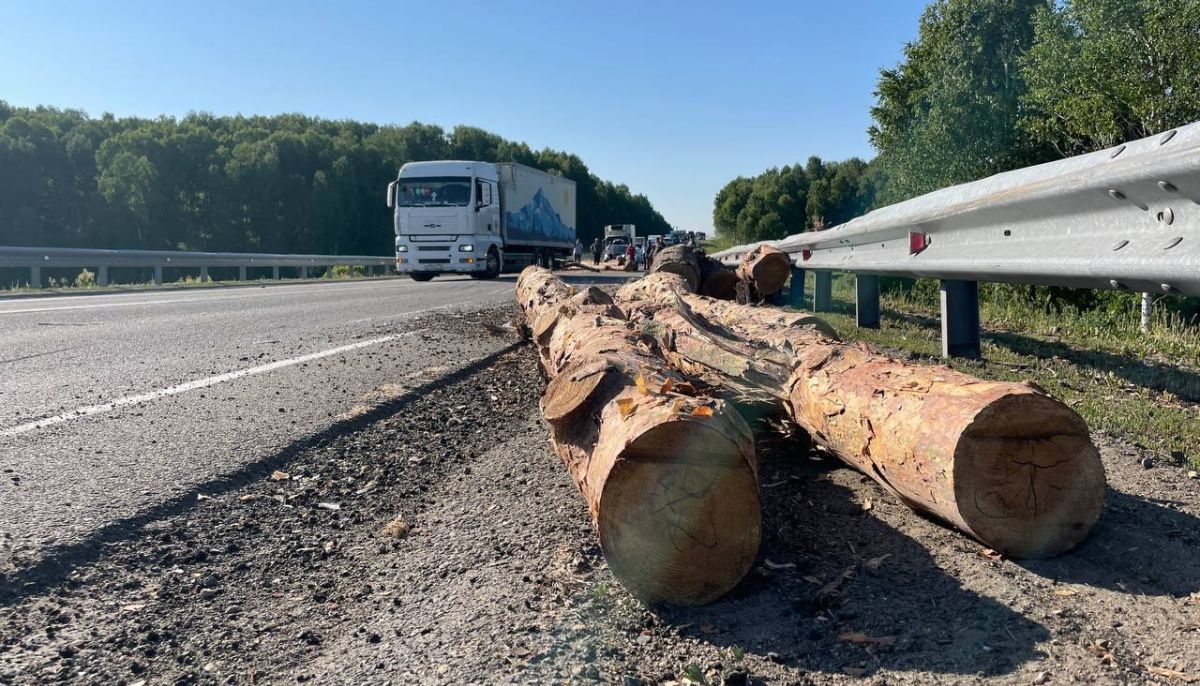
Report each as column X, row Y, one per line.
column 823, row 292
column 866, row 300
column 960, row 319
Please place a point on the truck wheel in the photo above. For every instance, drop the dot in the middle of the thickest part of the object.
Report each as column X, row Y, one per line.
column 493, row 265
column 422, row 276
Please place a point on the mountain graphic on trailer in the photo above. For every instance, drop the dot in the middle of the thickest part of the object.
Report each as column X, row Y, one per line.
column 537, row 221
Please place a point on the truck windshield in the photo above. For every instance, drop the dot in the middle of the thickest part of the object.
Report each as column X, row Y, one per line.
column 434, row 191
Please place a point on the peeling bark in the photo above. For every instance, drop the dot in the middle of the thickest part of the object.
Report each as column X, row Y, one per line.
column 670, row 478
column 1004, row 462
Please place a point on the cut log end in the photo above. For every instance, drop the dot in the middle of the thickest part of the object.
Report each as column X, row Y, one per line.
column 680, row 519
column 1027, row 478
column 767, row 268
column 771, row 274
column 573, row 388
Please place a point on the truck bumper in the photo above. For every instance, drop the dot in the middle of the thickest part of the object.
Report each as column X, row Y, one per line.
column 441, row 265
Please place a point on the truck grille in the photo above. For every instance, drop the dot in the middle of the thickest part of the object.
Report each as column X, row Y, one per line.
column 442, row 261
column 442, row 248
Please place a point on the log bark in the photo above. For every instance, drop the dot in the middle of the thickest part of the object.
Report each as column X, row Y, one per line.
column 765, row 270
column 1004, row 462
column 670, row 477
column 679, row 259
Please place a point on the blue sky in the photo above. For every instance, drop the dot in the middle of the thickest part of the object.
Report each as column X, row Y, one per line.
column 673, row 99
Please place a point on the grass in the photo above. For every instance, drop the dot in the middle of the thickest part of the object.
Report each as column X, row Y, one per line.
column 717, row 243
column 1141, row 388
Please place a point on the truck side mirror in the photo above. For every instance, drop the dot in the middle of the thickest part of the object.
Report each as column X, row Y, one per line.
column 391, row 194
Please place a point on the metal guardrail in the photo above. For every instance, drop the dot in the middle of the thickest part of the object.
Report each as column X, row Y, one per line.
column 37, row 259
column 1124, row 218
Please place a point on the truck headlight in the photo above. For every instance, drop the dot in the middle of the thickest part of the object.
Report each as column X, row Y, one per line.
column 466, row 247
column 401, row 248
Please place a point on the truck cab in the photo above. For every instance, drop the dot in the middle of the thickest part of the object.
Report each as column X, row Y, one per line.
column 617, row 238
column 447, row 218
column 479, row 218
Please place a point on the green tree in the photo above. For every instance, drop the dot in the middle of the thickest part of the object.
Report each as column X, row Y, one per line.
column 950, row 111
column 1105, row 71
column 286, row 183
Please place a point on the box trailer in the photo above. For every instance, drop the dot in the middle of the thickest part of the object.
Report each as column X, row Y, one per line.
column 479, row 218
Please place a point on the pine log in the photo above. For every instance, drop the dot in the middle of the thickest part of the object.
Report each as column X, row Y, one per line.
column 679, row 259
column 670, row 478
column 765, row 269
column 1004, row 462
column 717, row 280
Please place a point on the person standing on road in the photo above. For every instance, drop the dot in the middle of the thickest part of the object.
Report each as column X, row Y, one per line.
column 578, row 251
column 597, row 247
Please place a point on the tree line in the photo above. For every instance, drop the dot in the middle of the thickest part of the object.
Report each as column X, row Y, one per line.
column 989, row 86
column 287, row 183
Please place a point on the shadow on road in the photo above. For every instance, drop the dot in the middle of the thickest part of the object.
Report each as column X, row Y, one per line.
column 1139, row 546
column 861, row 595
column 58, row 563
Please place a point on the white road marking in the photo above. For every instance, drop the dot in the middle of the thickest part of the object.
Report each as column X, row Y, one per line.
column 194, row 385
column 219, row 296
column 93, row 306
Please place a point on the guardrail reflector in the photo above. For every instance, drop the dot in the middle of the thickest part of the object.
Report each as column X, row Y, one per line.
column 917, row 242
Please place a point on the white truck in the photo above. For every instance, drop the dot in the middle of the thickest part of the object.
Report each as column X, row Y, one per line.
column 479, row 218
column 617, row 238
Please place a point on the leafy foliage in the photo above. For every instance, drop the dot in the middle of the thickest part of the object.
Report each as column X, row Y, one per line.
column 286, row 183
column 1104, row 71
column 781, row 201
column 950, row 111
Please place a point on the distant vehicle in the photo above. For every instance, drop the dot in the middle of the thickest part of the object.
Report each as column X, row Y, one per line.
column 479, row 218
column 677, row 237
column 615, row 248
column 625, row 233
column 653, row 238
column 700, row 236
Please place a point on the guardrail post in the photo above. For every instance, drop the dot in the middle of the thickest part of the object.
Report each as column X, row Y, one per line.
column 275, row 272
column 823, row 291
column 304, row 272
column 960, row 319
column 242, row 273
column 203, row 274
column 796, row 288
column 158, row 275
column 102, row 278
column 35, row 277
column 866, row 299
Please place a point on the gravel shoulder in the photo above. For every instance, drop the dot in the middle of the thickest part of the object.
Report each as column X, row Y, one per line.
column 430, row 536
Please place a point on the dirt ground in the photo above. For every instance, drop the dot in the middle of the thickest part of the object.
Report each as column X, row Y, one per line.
column 294, row 576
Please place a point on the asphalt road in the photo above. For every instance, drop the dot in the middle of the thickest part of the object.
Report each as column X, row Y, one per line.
column 112, row 405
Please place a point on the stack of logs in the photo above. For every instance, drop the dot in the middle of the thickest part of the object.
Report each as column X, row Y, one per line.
column 641, row 406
